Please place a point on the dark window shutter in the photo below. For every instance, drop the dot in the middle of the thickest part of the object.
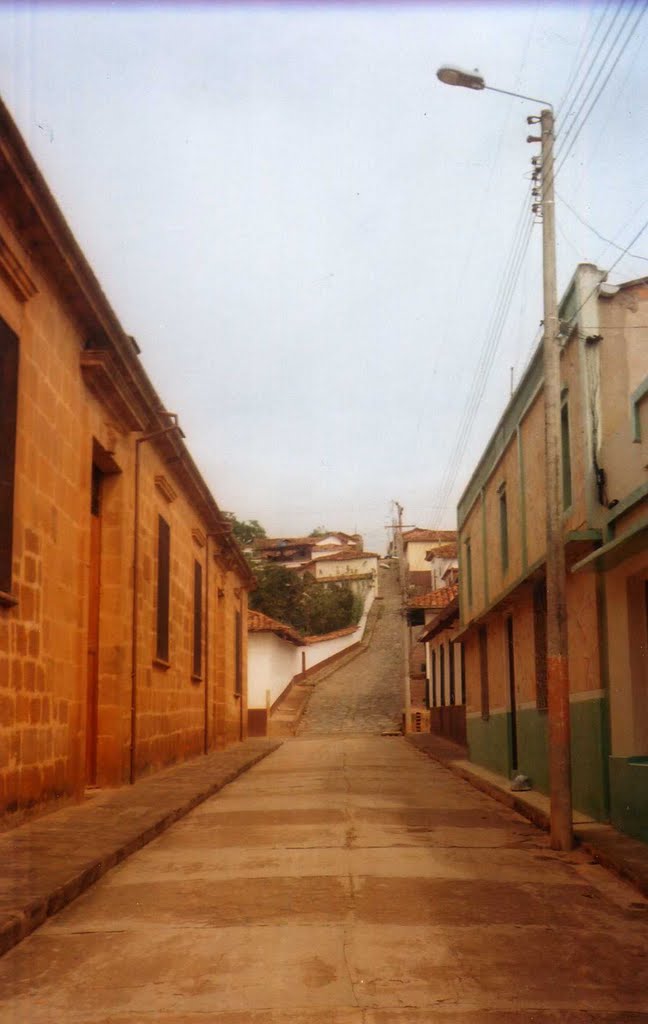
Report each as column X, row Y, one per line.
column 238, row 669
column 162, row 624
column 197, row 620
column 8, row 416
column 483, row 671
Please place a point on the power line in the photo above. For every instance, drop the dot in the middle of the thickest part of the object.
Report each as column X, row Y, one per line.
column 573, row 133
column 609, row 271
column 494, row 332
column 634, row 255
column 576, row 71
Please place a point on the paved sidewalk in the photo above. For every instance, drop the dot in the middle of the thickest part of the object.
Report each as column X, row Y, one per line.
column 623, row 855
column 49, row 861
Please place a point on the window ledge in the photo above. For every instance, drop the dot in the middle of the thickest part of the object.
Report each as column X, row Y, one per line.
column 161, row 663
column 237, row 696
column 7, row 600
column 195, row 678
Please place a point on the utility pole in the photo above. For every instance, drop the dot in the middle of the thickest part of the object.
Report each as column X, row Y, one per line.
column 557, row 663
column 562, row 837
column 402, row 574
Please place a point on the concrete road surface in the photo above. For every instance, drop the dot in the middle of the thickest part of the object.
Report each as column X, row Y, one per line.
column 342, row 880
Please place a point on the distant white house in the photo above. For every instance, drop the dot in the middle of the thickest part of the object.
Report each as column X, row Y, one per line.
column 441, row 560
column 359, row 568
column 416, row 544
column 295, row 552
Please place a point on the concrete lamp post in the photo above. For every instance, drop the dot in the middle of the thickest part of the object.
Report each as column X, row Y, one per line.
column 557, row 666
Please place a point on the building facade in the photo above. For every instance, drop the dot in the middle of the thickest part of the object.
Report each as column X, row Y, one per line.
column 418, row 546
column 123, row 597
column 445, row 671
column 501, row 519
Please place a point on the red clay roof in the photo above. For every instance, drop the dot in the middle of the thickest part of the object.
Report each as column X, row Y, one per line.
column 260, row 623
column 331, row 636
column 436, row 598
column 348, row 554
column 443, row 617
column 432, row 536
column 442, row 551
column 342, row 578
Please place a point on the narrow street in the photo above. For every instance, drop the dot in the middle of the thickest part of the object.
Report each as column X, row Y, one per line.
column 345, row 879
column 364, row 696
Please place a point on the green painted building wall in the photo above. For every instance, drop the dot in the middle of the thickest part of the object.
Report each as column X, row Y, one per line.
column 629, row 795
column 489, row 743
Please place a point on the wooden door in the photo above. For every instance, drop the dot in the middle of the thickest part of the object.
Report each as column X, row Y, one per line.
column 512, row 695
column 94, row 585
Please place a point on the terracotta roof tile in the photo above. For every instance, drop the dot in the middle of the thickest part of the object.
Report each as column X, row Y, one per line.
column 348, row 554
column 442, row 551
column 433, row 536
column 260, row 623
column 331, row 636
column 440, row 620
column 436, row 598
column 343, row 576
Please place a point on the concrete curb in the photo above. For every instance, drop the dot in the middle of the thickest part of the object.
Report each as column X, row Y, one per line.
column 626, row 857
column 53, row 859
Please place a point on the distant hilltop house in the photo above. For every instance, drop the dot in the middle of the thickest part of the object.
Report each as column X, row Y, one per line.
column 293, row 552
column 420, row 546
column 358, row 568
column 444, row 565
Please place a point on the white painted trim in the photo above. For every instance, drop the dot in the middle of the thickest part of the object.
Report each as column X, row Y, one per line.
column 577, row 698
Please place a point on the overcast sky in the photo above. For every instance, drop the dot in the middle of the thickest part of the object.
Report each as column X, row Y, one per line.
column 306, row 231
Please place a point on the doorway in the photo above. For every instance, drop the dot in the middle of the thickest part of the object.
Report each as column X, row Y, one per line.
column 512, row 699
column 94, row 590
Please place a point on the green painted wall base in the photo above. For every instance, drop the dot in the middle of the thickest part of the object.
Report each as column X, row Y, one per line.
column 629, row 796
column 489, row 743
column 590, row 754
column 533, row 749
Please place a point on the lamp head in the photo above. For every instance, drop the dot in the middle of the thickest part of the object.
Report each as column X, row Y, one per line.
column 450, row 75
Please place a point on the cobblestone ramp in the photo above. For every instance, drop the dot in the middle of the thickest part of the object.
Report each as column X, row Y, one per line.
column 365, row 695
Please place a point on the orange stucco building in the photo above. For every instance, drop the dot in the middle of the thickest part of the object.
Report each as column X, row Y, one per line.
column 123, row 596
column 501, row 519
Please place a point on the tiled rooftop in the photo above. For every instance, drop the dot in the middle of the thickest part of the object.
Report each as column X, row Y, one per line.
column 347, row 554
column 436, row 598
column 442, row 551
column 260, row 623
column 431, row 536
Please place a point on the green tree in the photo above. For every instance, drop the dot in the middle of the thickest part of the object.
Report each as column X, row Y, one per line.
column 280, row 594
column 245, row 531
column 298, row 601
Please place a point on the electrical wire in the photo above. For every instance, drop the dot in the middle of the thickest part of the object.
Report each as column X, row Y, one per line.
column 574, row 132
column 577, row 70
column 522, row 236
column 634, row 255
column 609, row 271
column 594, row 63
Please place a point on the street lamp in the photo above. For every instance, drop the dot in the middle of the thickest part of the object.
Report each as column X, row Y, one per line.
column 557, row 665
